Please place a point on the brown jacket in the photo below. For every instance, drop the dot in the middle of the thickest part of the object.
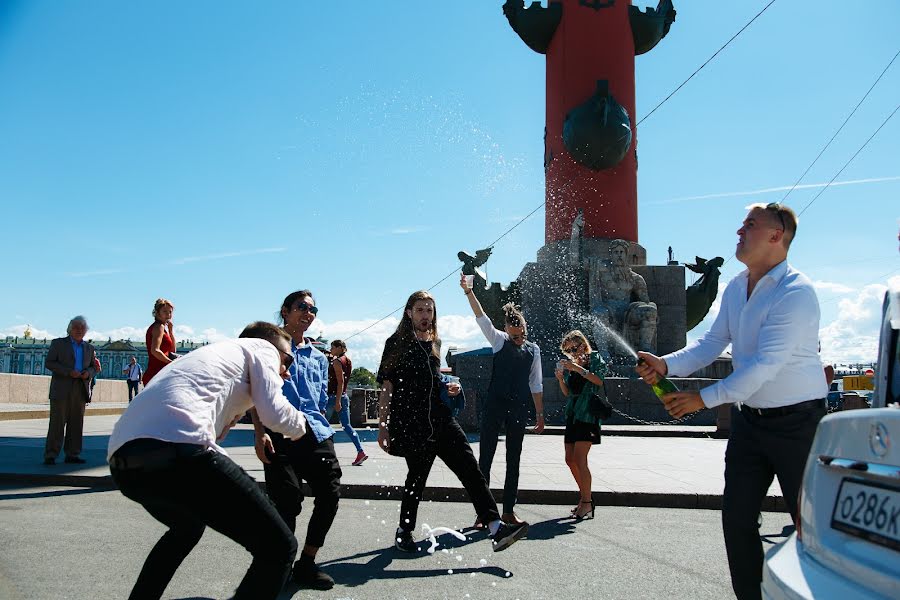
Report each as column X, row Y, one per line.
column 61, row 361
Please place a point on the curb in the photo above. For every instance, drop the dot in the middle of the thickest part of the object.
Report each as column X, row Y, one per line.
column 16, row 415
column 446, row 494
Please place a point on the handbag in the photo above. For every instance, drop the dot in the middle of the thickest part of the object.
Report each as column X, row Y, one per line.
column 600, row 407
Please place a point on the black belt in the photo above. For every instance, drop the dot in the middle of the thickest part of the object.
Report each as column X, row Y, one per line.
column 780, row 411
column 153, row 455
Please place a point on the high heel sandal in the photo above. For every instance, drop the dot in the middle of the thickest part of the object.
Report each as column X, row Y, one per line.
column 587, row 515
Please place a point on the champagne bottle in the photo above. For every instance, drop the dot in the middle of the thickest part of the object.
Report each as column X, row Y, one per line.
column 662, row 386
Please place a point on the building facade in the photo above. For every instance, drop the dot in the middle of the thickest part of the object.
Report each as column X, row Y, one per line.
column 26, row 355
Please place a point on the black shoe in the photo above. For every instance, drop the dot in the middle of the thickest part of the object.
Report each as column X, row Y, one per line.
column 74, row 460
column 307, row 574
column 403, row 541
column 49, row 461
column 508, row 535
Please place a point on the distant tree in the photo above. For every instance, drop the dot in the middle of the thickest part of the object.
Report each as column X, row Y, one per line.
column 362, row 377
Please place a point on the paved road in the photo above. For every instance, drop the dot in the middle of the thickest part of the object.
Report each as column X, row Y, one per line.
column 85, row 543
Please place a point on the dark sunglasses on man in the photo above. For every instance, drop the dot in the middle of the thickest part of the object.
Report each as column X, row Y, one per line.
column 288, row 358
column 776, row 207
column 304, row 307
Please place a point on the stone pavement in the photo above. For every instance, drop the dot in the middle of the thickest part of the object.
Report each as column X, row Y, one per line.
column 628, row 470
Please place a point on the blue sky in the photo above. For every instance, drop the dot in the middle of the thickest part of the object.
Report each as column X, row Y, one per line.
column 224, row 154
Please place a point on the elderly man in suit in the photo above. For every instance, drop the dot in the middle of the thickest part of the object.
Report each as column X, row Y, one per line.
column 71, row 360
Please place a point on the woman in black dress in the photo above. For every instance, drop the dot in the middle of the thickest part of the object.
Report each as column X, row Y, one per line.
column 579, row 378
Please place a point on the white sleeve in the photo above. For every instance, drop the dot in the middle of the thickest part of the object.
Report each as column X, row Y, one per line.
column 708, row 348
column 536, row 377
column 786, row 324
column 274, row 410
column 495, row 337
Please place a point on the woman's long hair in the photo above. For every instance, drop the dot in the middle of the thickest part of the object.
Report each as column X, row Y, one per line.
column 575, row 335
column 405, row 334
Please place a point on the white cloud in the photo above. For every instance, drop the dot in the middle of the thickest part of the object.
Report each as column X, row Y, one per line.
column 36, row 332
column 830, row 286
column 221, row 255
column 365, row 348
column 853, row 335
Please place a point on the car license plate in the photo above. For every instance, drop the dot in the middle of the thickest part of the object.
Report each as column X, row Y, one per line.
column 868, row 510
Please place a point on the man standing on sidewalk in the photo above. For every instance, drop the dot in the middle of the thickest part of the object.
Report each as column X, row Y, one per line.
column 71, row 361
column 414, row 423
column 516, row 378
column 287, row 463
column 770, row 316
column 338, row 380
column 133, row 373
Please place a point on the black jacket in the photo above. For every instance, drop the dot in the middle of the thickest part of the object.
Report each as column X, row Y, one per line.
column 416, row 409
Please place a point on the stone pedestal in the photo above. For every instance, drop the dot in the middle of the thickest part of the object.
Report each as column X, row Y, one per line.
column 554, row 298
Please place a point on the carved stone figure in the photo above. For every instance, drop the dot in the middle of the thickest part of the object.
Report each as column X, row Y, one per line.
column 617, row 296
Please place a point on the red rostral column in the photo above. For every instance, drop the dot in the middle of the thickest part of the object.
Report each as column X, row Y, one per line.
column 591, row 138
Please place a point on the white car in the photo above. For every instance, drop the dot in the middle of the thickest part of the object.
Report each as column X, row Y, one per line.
column 847, row 543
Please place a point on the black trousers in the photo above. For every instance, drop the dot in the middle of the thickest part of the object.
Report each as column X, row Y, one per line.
column 760, row 448
column 512, row 415
column 308, row 460
column 132, row 388
column 194, row 488
column 452, row 447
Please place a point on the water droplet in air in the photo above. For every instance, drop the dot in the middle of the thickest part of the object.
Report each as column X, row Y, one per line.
column 482, row 562
column 450, row 571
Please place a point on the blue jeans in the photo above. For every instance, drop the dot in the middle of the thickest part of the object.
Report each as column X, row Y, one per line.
column 344, row 415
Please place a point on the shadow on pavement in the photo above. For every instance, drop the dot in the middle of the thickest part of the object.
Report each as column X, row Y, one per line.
column 47, row 493
column 551, row 528
column 786, row 531
column 353, row 574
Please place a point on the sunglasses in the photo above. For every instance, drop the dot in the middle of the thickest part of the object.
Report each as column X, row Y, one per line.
column 776, row 207
column 288, row 358
column 573, row 349
column 304, row 307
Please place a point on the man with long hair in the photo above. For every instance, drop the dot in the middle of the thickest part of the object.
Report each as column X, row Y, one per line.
column 414, row 423
column 516, row 378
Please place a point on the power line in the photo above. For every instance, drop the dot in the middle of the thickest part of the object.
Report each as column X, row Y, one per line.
column 846, row 164
column 841, row 170
column 542, row 203
column 455, row 269
column 799, row 179
column 708, row 60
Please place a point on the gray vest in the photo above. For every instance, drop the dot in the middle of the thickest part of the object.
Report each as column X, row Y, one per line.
column 509, row 381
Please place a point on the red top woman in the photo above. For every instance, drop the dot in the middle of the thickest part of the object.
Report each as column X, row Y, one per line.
column 160, row 339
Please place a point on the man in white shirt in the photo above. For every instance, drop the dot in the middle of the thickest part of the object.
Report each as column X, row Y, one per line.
column 770, row 316
column 133, row 373
column 163, row 454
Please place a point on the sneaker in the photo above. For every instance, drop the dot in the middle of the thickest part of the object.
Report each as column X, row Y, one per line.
column 507, row 535
column 403, row 541
column 360, row 458
column 307, row 574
